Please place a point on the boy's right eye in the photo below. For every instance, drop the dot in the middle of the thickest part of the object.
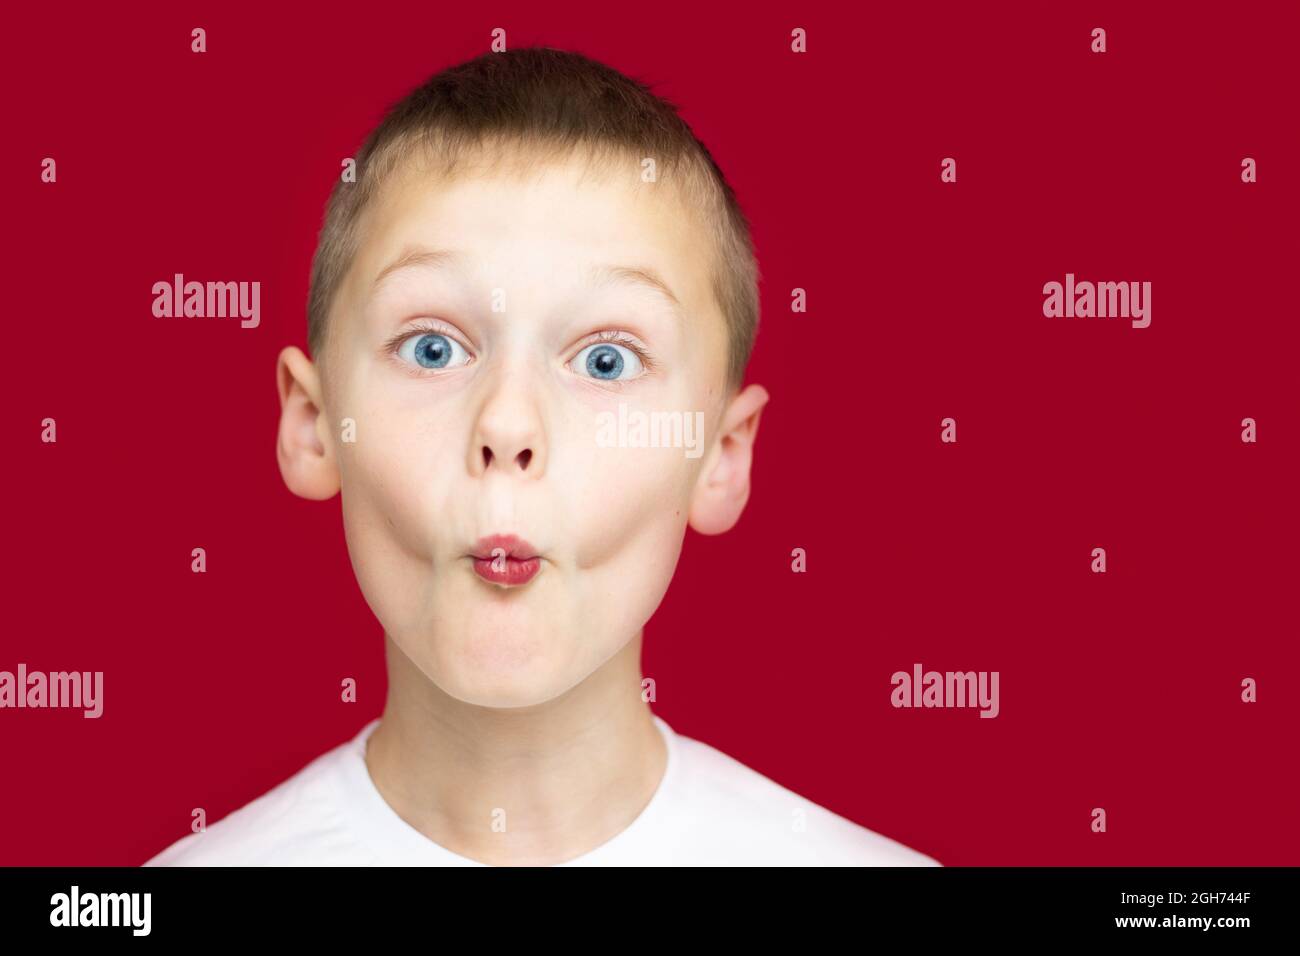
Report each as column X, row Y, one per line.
column 432, row 350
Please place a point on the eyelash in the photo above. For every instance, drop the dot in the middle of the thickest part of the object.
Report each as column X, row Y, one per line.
column 648, row 364
column 423, row 328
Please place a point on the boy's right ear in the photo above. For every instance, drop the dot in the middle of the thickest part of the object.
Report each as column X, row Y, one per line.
column 306, row 457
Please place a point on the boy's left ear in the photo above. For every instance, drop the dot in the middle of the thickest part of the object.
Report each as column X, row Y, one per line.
column 722, row 488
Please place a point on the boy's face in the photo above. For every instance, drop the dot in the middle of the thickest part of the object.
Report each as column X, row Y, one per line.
column 477, row 379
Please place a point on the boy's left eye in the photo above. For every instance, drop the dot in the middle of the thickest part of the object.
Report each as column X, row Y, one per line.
column 606, row 361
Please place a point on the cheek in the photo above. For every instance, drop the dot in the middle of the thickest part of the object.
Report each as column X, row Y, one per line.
column 619, row 494
column 396, row 483
column 628, row 519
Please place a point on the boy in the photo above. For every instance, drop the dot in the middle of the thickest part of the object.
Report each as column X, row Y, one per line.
column 534, row 245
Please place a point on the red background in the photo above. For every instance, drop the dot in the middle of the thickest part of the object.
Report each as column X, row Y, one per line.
column 1119, row 690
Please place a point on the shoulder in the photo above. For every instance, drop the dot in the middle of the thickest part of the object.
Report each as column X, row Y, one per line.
column 736, row 813
column 296, row 823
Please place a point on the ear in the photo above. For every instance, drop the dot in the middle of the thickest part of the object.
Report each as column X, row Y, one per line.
column 305, row 455
column 723, row 484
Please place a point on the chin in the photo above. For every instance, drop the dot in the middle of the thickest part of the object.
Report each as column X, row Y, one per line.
column 491, row 668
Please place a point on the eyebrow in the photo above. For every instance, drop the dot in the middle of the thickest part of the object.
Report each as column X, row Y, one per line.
column 639, row 276
column 411, row 258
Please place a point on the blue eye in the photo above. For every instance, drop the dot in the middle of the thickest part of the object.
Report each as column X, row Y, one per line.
column 432, row 350
column 607, row 362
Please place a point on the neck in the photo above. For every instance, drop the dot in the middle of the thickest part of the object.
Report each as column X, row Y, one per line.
column 534, row 785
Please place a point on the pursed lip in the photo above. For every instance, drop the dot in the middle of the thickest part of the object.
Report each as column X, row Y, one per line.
column 505, row 560
column 503, row 545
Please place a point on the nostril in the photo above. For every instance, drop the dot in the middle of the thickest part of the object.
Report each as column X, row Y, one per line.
column 525, row 457
column 487, row 456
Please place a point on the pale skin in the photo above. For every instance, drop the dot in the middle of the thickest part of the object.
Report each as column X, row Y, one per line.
column 520, row 705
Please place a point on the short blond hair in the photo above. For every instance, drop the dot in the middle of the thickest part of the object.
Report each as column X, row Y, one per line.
column 543, row 103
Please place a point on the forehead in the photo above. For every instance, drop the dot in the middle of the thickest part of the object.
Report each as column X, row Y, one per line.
column 550, row 217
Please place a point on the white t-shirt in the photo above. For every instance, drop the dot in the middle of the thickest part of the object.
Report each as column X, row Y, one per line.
column 709, row 810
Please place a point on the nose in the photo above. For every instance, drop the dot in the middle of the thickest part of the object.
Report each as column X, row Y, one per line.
column 509, row 434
